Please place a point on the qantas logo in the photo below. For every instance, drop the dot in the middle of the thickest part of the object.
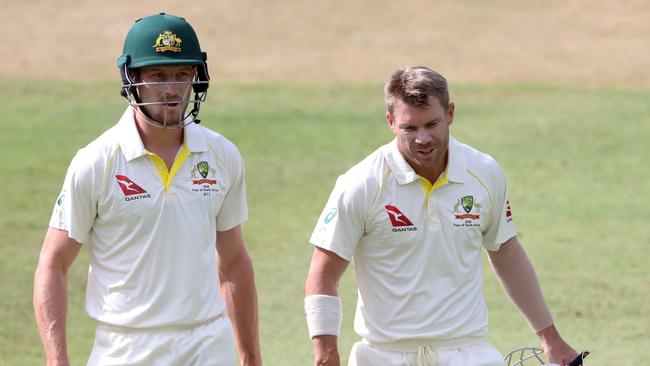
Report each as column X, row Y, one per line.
column 128, row 187
column 131, row 190
column 399, row 220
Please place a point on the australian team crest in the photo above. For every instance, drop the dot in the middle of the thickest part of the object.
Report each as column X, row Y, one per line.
column 468, row 203
column 203, row 168
column 168, row 41
column 472, row 214
column 204, row 178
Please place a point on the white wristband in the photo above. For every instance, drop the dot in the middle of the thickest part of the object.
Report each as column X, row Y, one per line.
column 323, row 315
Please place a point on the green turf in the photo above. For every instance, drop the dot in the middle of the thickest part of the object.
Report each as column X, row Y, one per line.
column 575, row 159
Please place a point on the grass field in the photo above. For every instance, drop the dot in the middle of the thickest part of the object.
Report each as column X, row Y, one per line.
column 575, row 158
column 556, row 90
column 566, row 42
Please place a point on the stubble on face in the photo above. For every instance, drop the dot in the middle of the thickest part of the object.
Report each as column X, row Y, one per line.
column 171, row 107
column 169, row 96
column 423, row 135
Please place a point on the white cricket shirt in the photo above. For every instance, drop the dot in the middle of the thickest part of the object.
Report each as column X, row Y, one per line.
column 416, row 246
column 151, row 233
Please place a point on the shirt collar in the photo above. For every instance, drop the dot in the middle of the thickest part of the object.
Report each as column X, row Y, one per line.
column 130, row 140
column 398, row 165
column 404, row 173
column 131, row 143
column 194, row 138
column 456, row 162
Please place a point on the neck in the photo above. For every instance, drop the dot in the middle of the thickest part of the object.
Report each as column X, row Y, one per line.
column 430, row 173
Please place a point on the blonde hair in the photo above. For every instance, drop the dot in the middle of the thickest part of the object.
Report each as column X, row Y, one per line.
column 414, row 85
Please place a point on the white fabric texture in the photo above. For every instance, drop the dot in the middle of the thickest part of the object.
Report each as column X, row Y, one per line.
column 477, row 354
column 426, row 356
column 417, row 258
column 208, row 344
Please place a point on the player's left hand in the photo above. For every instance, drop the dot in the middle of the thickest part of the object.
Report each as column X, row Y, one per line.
column 557, row 351
column 561, row 354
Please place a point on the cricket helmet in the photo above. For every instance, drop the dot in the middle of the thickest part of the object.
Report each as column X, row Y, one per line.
column 163, row 40
column 526, row 356
column 529, row 356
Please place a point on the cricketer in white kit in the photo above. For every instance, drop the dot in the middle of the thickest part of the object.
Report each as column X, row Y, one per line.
column 414, row 217
column 158, row 201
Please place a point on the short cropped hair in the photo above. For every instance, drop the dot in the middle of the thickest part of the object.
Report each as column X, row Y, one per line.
column 414, row 85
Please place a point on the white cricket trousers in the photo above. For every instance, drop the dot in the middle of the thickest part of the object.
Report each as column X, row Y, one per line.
column 475, row 353
column 211, row 343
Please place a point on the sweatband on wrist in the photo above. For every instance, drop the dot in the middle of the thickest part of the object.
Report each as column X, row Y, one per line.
column 323, row 315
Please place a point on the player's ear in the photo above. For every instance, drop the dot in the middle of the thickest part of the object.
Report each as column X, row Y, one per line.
column 134, row 74
column 450, row 112
column 390, row 119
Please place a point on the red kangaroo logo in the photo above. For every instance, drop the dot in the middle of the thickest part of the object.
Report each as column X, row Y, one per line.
column 129, row 188
column 396, row 217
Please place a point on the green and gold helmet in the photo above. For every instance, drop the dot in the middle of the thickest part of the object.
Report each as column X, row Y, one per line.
column 163, row 40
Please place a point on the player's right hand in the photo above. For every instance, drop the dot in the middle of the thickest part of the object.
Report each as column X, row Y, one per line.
column 326, row 351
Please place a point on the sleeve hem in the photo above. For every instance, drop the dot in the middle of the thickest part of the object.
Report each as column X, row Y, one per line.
column 230, row 224
column 337, row 251
column 81, row 239
column 500, row 241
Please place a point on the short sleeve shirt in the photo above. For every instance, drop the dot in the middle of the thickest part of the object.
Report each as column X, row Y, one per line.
column 416, row 246
column 151, row 233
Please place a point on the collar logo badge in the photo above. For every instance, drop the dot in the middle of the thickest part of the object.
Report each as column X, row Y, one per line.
column 168, row 41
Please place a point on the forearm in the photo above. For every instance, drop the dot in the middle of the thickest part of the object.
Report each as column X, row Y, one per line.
column 319, row 283
column 323, row 307
column 238, row 289
column 50, row 306
column 325, row 346
column 518, row 278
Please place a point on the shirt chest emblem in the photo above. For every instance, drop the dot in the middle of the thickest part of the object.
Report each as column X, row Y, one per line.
column 467, row 212
column 398, row 220
column 131, row 190
column 204, row 178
